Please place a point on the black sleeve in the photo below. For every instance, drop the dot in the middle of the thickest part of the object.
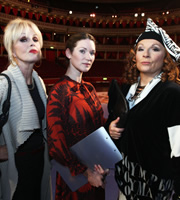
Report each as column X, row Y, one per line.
column 117, row 105
column 176, row 170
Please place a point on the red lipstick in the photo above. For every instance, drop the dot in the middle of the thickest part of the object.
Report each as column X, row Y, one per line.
column 33, row 51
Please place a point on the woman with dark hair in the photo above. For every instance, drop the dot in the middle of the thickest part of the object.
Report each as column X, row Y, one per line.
column 73, row 112
column 149, row 141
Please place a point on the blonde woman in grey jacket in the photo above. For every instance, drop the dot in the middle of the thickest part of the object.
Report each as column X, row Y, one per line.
column 25, row 168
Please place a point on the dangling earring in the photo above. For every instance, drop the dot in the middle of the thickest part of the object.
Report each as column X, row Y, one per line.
column 38, row 64
column 134, row 66
column 13, row 61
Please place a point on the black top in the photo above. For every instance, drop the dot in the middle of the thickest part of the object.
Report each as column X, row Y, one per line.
column 147, row 169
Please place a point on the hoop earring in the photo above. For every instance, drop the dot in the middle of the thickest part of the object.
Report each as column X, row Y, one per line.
column 14, row 61
column 38, row 64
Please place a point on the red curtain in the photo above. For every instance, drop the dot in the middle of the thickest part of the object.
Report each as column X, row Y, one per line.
column 114, row 40
column 106, row 40
column 2, row 27
column 144, row 22
column 111, row 55
column 63, row 53
column 44, row 17
column 131, row 24
column 100, row 55
column 176, row 20
column 0, row 7
column 91, row 23
column 84, row 23
column 7, row 9
column 15, row 11
column 77, row 22
column 71, row 22
column 169, row 21
column 30, row 15
column 50, row 55
column 58, row 20
column 117, row 23
column 104, row 24
column 51, row 18
column 119, row 40
column 110, row 24
column 121, row 55
column 133, row 40
column 2, row 50
column 124, row 23
column 128, row 40
column 138, row 24
column 37, row 16
column 97, row 24
column 64, row 20
column 161, row 22
column 23, row 13
column 48, row 35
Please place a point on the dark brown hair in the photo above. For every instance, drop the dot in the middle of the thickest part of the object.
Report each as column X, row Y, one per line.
column 72, row 41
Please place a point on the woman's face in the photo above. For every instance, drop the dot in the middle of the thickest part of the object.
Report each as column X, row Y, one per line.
column 150, row 57
column 27, row 49
column 83, row 56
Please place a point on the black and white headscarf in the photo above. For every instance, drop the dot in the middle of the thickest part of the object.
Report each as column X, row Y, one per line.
column 152, row 31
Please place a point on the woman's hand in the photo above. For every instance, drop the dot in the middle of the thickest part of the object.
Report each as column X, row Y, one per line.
column 94, row 178
column 3, row 153
column 101, row 171
column 115, row 132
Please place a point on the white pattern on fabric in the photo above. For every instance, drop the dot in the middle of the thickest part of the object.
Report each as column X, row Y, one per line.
column 170, row 45
column 144, row 92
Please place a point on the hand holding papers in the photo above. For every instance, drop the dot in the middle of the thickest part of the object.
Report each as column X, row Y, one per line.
column 96, row 148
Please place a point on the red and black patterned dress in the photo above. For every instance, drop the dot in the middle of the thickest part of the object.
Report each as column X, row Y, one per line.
column 73, row 112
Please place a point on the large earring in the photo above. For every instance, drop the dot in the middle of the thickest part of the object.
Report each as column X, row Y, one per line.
column 13, row 61
column 134, row 66
column 38, row 64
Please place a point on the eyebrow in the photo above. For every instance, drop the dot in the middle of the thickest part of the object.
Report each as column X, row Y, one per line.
column 154, row 44
column 87, row 49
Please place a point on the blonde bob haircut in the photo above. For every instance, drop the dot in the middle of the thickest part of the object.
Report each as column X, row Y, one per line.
column 13, row 32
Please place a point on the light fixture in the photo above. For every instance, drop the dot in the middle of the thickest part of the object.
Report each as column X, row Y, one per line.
column 92, row 15
column 70, row 12
column 136, row 15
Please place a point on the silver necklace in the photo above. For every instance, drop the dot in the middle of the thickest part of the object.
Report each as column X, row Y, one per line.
column 133, row 98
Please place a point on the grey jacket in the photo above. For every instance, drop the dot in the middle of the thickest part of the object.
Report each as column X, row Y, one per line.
column 22, row 121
